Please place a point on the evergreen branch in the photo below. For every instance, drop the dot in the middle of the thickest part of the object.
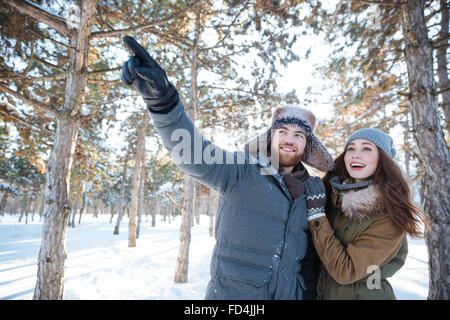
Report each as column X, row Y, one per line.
column 438, row 42
column 29, row 124
column 431, row 15
column 105, row 80
column 241, row 117
column 30, row 61
column 174, row 39
column 90, row 73
column 249, row 91
column 104, row 70
column 29, row 8
column 38, row 105
column 42, row 36
column 443, row 90
column 365, row 114
column 48, row 64
column 142, row 27
column 173, row 201
column 379, row 2
column 441, row 46
column 59, row 76
column 178, row 45
column 228, row 27
column 333, row 19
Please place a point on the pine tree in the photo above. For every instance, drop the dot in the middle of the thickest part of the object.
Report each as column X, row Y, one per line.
column 430, row 140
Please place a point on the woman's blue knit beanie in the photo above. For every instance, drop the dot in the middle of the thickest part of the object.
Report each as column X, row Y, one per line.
column 381, row 139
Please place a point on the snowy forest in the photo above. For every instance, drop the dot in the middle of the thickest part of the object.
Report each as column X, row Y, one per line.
column 84, row 172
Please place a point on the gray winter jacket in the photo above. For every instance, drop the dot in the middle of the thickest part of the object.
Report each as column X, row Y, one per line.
column 262, row 234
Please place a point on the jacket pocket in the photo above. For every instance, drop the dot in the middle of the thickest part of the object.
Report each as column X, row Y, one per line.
column 237, row 270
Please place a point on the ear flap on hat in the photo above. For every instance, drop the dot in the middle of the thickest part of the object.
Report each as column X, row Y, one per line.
column 316, row 155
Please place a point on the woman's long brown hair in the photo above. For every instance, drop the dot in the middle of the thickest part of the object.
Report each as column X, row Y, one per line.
column 394, row 190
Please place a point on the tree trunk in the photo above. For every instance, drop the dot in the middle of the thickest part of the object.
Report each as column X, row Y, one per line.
column 138, row 160
column 83, row 207
column 74, row 212
column 153, row 208
column 3, row 203
column 181, row 272
column 95, row 213
column 432, row 146
column 28, row 208
column 141, row 202
column 407, row 149
column 442, row 71
column 122, row 196
column 35, row 205
column 22, row 209
column 197, row 202
column 41, row 206
column 52, row 255
column 210, row 212
column 111, row 212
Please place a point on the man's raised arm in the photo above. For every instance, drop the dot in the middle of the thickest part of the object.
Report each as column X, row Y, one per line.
column 195, row 155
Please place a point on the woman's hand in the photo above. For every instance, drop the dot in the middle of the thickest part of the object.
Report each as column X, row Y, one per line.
column 315, row 198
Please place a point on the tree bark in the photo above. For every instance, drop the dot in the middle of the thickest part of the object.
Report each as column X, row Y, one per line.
column 197, row 203
column 83, row 207
column 122, row 196
column 136, row 179
column 442, row 70
column 432, row 146
column 22, row 209
column 153, row 209
column 52, row 255
column 210, row 212
column 141, row 202
column 74, row 212
column 181, row 272
column 3, row 203
column 54, row 21
column 111, row 212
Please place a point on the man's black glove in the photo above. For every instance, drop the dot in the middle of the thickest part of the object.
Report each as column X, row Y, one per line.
column 148, row 78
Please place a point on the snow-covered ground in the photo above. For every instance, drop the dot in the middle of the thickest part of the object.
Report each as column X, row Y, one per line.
column 101, row 266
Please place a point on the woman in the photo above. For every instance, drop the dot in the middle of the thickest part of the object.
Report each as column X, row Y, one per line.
column 361, row 239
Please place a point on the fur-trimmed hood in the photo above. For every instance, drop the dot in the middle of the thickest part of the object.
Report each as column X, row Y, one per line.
column 358, row 201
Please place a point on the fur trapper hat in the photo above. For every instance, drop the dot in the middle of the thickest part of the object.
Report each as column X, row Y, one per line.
column 315, row 154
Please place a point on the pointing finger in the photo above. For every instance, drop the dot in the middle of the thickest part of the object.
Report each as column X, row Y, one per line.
column 139, row 51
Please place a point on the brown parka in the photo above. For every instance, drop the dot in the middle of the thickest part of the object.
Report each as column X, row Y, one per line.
column 359, row 246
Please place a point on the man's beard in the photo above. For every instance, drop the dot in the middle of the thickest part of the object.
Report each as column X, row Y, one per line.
column 289, row 161
column 285, row 160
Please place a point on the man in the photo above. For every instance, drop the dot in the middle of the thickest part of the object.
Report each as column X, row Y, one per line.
column 263, row 247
